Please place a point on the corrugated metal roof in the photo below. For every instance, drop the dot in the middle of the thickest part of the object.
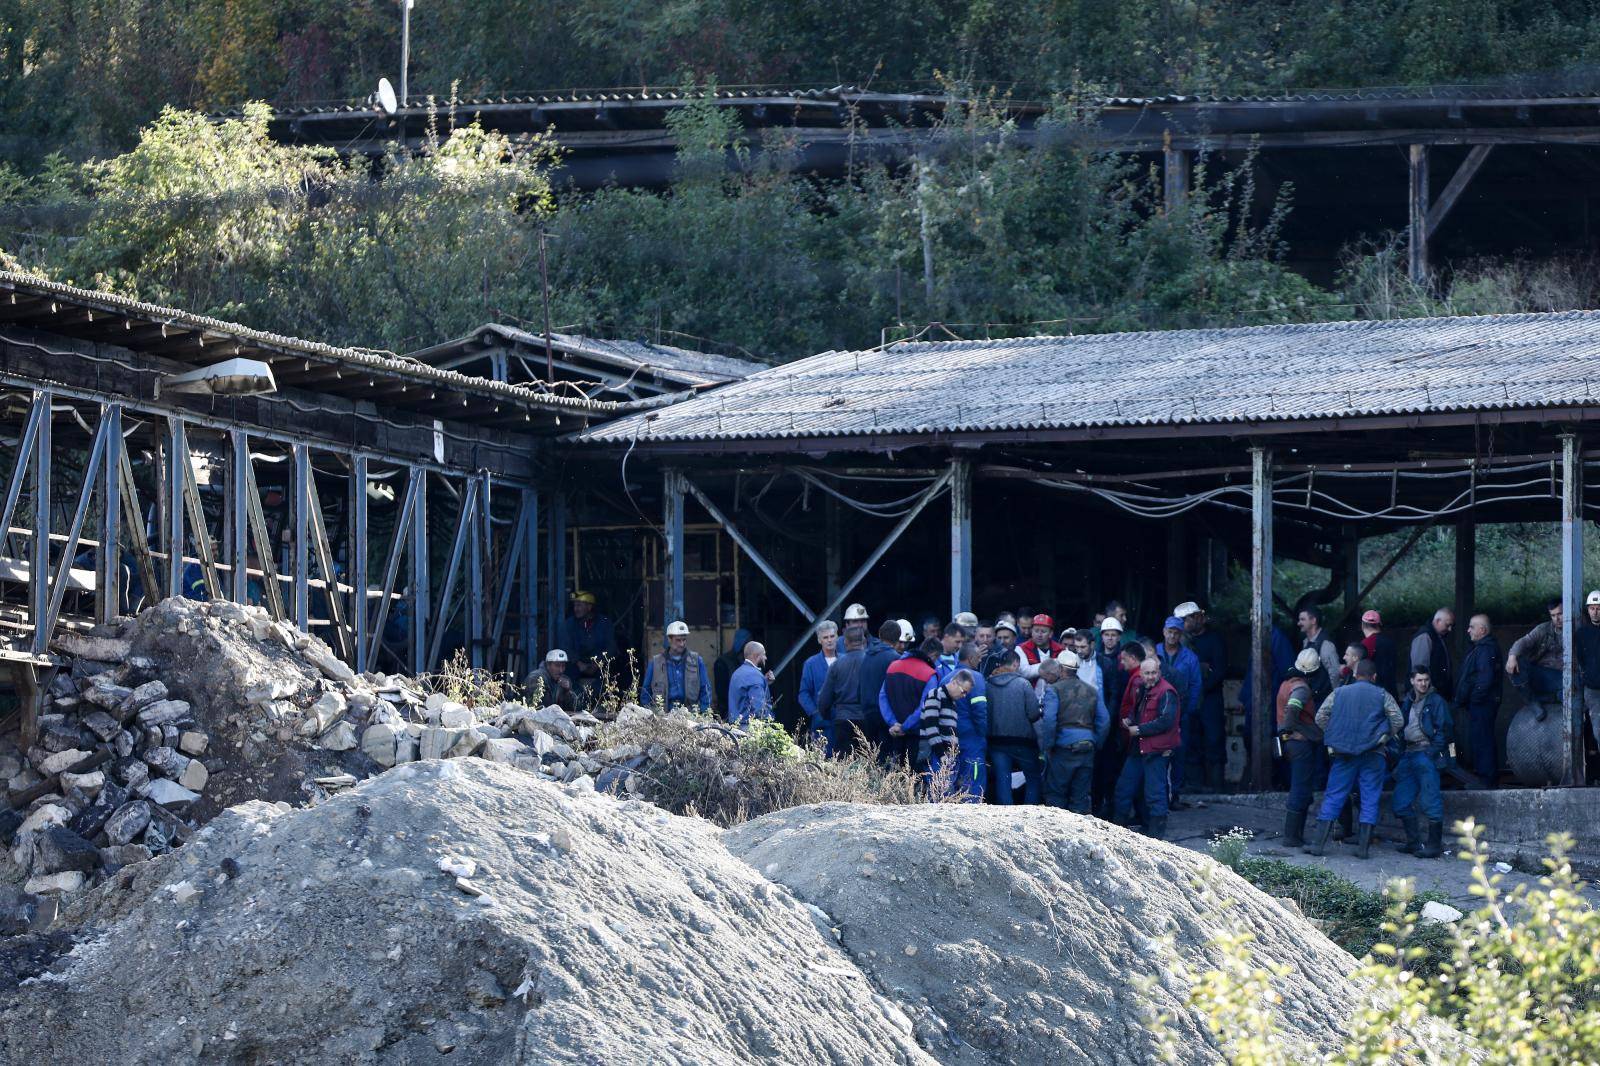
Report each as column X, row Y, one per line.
column 681, row 365
column 1262, row 373
column 220, row 332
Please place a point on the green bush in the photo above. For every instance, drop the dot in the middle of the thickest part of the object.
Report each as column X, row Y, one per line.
column 1518, row 981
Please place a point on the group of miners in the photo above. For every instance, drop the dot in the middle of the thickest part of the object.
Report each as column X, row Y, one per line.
column 1098, row 719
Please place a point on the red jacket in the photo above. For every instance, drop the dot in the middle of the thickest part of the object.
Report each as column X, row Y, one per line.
column 1032, row 651
column 1158, row 705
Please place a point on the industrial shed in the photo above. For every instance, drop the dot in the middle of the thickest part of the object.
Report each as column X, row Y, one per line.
column 1069, row 469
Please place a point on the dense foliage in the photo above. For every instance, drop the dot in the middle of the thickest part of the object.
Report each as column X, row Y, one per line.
column 84, row 75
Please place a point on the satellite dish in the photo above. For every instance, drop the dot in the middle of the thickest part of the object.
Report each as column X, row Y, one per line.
column 386, row 97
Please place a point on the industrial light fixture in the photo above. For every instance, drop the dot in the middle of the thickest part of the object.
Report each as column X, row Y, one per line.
column 231, row 377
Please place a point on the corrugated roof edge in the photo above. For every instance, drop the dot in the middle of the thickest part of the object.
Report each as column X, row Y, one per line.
column 374, row 360
column 614, row 432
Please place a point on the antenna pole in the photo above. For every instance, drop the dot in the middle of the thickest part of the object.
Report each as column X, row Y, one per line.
column 405, row 48
column 544, row 283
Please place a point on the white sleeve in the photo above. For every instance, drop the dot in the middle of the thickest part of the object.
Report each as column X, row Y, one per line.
column 1025, row 668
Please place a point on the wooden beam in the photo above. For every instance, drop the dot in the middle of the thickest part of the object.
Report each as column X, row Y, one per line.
column 1464, row 174
column 1417, row 202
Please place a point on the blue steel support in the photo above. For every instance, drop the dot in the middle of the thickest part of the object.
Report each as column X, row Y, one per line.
column 239, row 527
column 529, row 614
column 672, row 486
column 419, row 574
column 172, row 506
column 108, row 567
column 301, row 517
column 38, row 571
column 358, row 557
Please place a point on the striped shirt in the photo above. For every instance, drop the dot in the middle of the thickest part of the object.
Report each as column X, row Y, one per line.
column 938, row 720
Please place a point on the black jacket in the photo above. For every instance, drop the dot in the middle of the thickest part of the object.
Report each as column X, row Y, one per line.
column 840, row 698
column 1586, row 646
column 1481, row 675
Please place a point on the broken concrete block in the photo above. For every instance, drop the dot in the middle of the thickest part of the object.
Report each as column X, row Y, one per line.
column 106, row 694
column 471, row 740
column 378, row 743
column 62, row 760
column 456, row 716
column 405, row 748
column 194, row 776
column 342, row 737
column 553, row 719
column 89, row 646
column 332, row 667
column 192, row 742
column 128, row 822
column 168, row 793
column 91, row 783
column 143, row 696
column 61, row 884
column 502, row 750
column 438, row 740
column 163, row 712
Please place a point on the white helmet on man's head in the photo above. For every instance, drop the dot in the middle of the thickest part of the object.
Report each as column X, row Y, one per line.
column 678, row 629
column 856, row 612
column 907, row 634
column 555, row 655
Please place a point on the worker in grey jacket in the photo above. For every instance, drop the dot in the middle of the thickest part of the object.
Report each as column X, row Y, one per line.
column 1014, row 740
column 1075, row 725
column 1534, row 662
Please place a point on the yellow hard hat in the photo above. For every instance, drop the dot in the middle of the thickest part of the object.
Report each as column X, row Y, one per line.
column 582, row 597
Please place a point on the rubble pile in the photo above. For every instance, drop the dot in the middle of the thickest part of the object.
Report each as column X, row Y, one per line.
column 459, row 909
column 153, row 726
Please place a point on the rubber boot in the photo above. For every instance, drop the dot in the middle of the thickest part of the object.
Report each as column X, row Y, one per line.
column 1413, row 834
column 1320, row 845
column 1294, row 829
column 1364, row 841
column 1435, row 845
column 1347, row 822
column 1157, row 829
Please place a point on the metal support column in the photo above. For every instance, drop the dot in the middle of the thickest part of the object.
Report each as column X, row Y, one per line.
column 1417, row 233
column 528, row 615
column 39, row 570
column 477, row 559
column 419, row 573
column 960, row 536
column 767, row 569
column 672, row 483
column 358, row 556
column 300, row 543
column 1466, row 581
column 1571, row 602
column 1263, row 698
column 108, row 578
column 239, row 481
column 172, row 507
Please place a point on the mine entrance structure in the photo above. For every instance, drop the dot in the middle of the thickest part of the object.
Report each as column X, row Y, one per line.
column 390, row 507
column 1058, row 471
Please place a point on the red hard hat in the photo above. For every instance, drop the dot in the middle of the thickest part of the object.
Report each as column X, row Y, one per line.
column 1372, row 618
column 1044, row 620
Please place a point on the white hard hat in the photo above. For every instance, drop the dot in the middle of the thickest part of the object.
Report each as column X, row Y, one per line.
column 967, row 620
column 1307, row 661
column 555, row 655
column 1594, row 598
column 1110, row 622
column 1069, row 660
column 1186, row 608
column 855, row 613
column 907, row 634
column 678, row 629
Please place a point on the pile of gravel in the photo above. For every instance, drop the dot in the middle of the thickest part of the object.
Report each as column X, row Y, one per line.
column 462, row 908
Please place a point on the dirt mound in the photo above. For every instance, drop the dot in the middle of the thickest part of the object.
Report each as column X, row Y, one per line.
column 457, row 907
column 1017, row 934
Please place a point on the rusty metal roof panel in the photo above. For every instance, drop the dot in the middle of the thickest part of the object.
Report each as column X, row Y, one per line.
column 1219, row 376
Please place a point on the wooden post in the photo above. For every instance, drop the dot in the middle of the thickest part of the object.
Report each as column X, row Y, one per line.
column 960, row 536
column 1417, row 244
column 1466, row 580
column 1263, row 698
column 1571, row 600
column 1174, row 176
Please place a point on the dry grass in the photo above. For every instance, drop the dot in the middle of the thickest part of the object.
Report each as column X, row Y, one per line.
column 704, row 767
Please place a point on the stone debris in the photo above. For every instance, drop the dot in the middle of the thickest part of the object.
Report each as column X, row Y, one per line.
column 152, row 726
